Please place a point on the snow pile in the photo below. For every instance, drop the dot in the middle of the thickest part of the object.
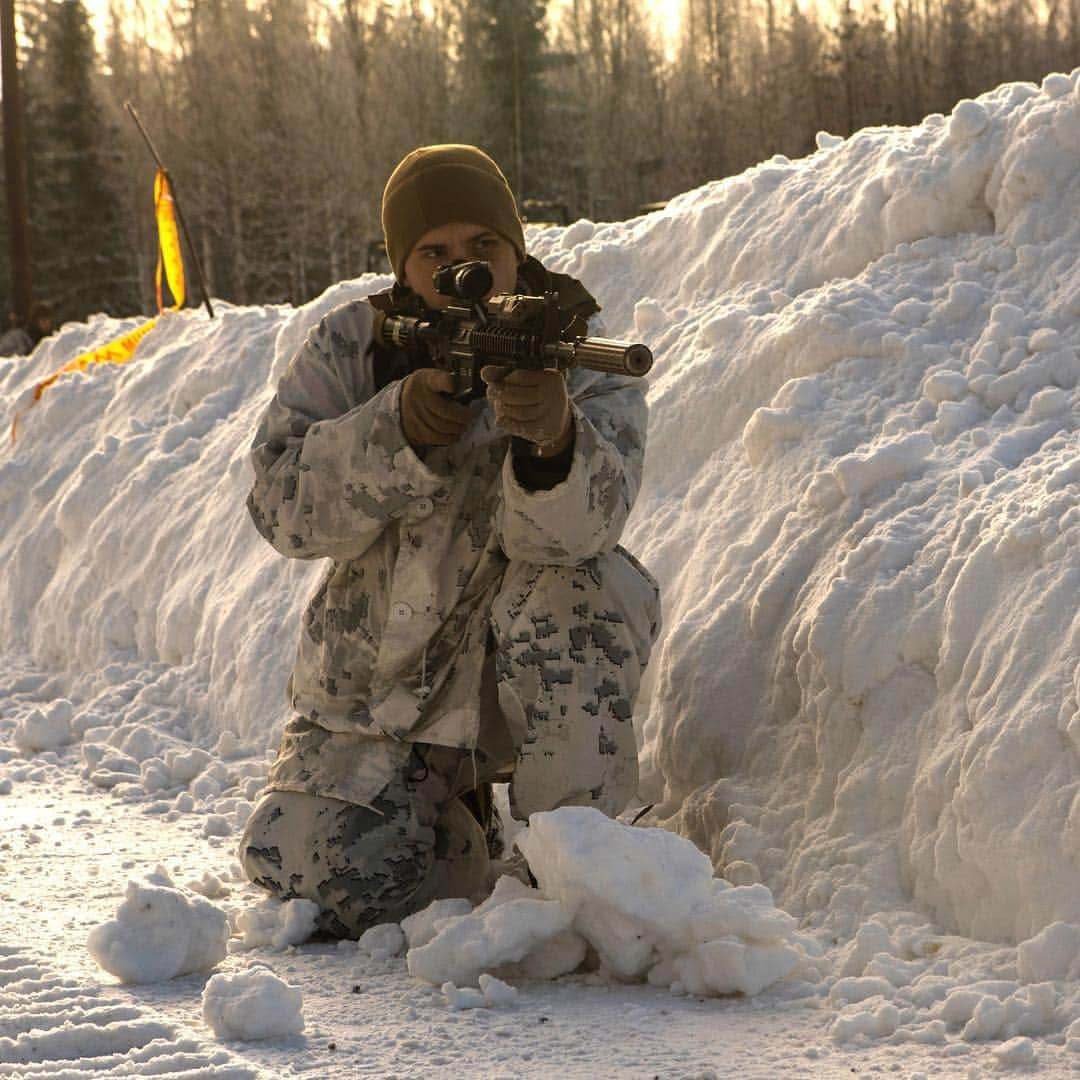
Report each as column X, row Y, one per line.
column 159, row 932
column 645, row 900
column 912, row 985
column 133, row 566
column 253, row 1004
column 860, row 499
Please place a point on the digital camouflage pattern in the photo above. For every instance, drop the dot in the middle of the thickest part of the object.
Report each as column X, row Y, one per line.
column 365, row 864
column 440, row 558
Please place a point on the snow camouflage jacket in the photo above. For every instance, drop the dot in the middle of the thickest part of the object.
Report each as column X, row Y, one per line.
column 393, row 642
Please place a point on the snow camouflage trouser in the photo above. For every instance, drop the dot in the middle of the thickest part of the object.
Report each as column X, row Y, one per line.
column 365, row 864
column 571, row 643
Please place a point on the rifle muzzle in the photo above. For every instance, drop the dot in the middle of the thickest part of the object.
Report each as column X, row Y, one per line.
column 616, row 357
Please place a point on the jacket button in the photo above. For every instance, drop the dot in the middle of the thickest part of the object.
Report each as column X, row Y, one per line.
column 423, row 507
column 402, row 611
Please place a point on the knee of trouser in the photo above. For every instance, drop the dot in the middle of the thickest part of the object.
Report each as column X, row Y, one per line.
column 259, row 856
column 461, row 863
column 613, row 591
column 294, row 843
column 361, row 864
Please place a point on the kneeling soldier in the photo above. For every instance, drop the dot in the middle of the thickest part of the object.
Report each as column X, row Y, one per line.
column 478, row 620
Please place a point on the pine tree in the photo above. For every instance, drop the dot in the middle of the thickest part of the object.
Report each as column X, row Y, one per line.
column 81, row 261
column 511, row 42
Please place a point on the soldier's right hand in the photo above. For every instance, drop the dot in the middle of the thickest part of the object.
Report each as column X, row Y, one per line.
column 429, row 415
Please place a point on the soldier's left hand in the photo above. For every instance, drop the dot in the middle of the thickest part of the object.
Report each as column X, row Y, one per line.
column 531, row 404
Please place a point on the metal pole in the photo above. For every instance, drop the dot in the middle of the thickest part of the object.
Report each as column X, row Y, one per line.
column 15, row 165
column 176, row 202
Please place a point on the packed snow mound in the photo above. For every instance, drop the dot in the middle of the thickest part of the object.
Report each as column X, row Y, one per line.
column 860, row 499
column 645, row 900
column 159, row 932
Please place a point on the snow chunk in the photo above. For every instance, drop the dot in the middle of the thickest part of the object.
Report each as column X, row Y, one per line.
column 277, row 924
column 496, row 992
column 217, row 825
column 968, row 119
column 463, row 998
column 858, row 473
column 159, row 932
column 872, row 938
column 945, row 386
column 767, row 427
column 1049, row 402
column 855, row 989
column 986, row 1021
column 382, row 941
column 1072, row 1036
column 648, row 316
column 209, row 885
column 186, row 764
column 421, row 927
column 1056, row 85
column 577, row 233
column 253, row 1004
column 1015, row 1052
column 45, row 730
column 873, row 1023
column 488, row 938
column 1054, row 953
column 647, row 901
column 492, row 993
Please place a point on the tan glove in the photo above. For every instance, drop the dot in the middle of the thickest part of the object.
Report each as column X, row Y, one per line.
column 531, row 404
column 429, row 415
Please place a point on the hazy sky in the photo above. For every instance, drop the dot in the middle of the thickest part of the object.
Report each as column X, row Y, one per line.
column 665, row 12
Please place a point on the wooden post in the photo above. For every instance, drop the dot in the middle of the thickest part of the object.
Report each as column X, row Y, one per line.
column 15, row 166
column 176, row 205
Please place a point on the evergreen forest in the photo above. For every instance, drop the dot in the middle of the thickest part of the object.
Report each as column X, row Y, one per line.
column 280, row 120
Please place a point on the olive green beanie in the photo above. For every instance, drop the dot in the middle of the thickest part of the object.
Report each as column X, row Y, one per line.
column 442, row 185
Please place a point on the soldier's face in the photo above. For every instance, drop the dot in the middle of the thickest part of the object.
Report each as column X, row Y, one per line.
column 449, row 243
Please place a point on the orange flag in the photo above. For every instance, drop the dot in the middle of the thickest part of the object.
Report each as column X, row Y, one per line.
column 170, row 259
column 170, row 265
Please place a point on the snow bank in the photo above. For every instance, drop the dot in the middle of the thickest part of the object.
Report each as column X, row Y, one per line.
column 645, row 900
column 861, row 501
column 159, row 932
column 132, row 564
column 860, row 498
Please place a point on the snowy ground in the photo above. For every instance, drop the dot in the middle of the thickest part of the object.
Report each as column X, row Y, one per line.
column 73, row 847
column 861, row 502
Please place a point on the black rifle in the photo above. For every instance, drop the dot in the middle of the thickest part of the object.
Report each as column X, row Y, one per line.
column 519, row 332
